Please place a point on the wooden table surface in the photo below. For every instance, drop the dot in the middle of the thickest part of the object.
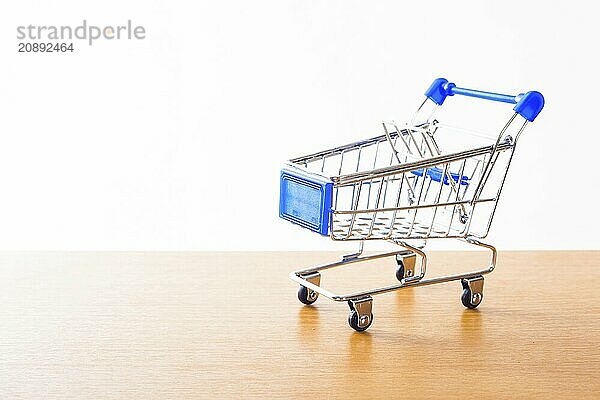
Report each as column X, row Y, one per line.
column 228, row 325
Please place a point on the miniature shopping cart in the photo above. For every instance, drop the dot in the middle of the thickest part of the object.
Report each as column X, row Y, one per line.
column 412, row 183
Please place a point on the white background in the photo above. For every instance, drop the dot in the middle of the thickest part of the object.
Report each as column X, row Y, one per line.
column 175, row 142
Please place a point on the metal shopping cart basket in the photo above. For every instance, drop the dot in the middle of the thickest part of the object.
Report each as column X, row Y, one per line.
column 407, row 185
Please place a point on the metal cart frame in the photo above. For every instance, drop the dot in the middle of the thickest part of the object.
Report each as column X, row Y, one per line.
column 420, row 193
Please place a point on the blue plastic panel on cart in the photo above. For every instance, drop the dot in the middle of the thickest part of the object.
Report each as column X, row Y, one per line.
column 436, row 173
column 305, row 200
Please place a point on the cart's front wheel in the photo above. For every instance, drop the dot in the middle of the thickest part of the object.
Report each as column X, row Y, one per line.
column 361, row 313
column 358, row 325
column 307, row 296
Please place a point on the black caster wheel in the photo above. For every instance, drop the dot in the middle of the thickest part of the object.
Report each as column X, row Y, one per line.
column 353, row 322
column 468, row 300
column 406, row 266
column 307, row 296
column 400, row 270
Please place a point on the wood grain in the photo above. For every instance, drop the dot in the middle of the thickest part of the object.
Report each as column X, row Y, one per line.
column 228, row 325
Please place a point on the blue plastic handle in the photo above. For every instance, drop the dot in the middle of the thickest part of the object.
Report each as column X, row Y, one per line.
column 527, row 105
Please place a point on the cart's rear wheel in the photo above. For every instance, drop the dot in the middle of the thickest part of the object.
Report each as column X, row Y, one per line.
column 400, row 270
column 307, row 296
column 472, row 294
column 353, row 321
column 468, row 300
column 406, row 265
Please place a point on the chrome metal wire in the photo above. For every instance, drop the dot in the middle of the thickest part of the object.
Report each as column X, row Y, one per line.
column 401, row 185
